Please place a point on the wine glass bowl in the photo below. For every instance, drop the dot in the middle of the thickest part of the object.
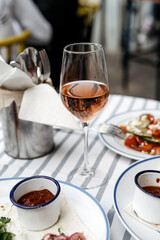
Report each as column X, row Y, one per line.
column 84, row 87
column 84, row 99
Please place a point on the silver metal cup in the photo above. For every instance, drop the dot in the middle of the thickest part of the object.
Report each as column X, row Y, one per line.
column 24, row 139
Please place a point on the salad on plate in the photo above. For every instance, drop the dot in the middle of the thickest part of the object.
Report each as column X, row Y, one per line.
column 143, row 134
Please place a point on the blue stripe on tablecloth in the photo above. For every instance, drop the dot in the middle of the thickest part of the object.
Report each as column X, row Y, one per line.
column 46, row 159
column 49, row 157
column 109, row 175
column 111, row 211
column 95, row 166
column 126, row 236
column 6, row 166
column 80, row 161
column 1, row 154
column 110, row 215
column 21, row 169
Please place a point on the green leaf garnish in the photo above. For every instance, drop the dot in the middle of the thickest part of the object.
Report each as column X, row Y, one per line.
column 4, row 235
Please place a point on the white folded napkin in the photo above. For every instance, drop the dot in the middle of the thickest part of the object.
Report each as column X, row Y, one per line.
column 42, row 104
column 129, row 209
column 38, row 103
column 13, row 78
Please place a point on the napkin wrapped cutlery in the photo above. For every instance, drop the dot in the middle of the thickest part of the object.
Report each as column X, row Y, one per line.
column 24, row 95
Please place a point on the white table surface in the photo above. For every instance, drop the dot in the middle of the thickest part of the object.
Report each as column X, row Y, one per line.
column 68, row 153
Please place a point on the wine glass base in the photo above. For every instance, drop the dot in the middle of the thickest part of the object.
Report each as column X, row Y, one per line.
column 87, row 179
column 85, row 172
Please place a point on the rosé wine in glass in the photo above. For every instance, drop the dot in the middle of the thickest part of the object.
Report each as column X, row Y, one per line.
column 84, row 89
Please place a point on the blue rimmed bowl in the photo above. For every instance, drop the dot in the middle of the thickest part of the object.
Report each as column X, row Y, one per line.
column 42, row 216
column 147, row 204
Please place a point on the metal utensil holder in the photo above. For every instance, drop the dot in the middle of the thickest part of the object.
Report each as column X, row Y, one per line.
column 24, row 139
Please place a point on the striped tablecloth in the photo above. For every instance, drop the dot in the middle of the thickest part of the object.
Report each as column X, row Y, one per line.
column 68, row 154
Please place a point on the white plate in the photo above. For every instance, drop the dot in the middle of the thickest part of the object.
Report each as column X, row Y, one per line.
column 86, row 207
column 115, row 144
column 123, row 195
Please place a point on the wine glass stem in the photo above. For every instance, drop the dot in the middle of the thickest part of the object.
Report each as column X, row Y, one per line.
column 86, row 167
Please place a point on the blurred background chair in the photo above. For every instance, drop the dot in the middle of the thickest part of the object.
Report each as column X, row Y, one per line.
column 131, row 29
column 14, row 45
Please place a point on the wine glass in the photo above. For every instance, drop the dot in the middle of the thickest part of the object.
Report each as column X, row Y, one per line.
column 84, row 90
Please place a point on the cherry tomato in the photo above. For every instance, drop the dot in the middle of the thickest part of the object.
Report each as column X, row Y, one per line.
column 139, row 140
column 151, row 118
column 155, row 132
column 131, row 142
column 147, row 147
column 156, row 150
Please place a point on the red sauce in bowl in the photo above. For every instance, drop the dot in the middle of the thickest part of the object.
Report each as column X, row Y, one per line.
column 35, row 198
column 155, row 190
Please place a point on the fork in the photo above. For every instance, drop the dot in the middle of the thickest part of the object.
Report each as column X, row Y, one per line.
column 108, row 128
column 45, row 65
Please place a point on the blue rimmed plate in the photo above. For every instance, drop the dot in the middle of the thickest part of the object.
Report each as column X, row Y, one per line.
column 123, row 195
column 86, row 206
column 116, row 144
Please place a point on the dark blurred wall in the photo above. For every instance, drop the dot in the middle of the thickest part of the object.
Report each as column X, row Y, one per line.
column 67, row 28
